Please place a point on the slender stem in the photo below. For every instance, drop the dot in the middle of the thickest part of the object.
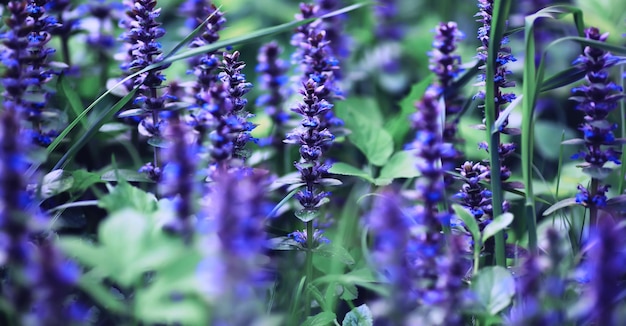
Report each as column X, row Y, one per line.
column 593, row 210
column 309, row 267
column 501, row 9
column 155, row 120
column 622, row 110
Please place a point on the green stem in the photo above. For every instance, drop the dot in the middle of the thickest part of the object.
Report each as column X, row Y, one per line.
column 622, row 110
column 593, row 210
column 309, row 267
column 500, row 12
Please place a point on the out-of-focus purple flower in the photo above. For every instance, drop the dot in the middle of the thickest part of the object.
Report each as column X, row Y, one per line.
column 334, row 27
column 179, row 175
column 445, row 64
column 68, row 24
column 391, row 230
column 597, row 98
column 541, row 286
column 316, row 60
column 100, row 36
column 38, row 279
column 387, row 25
column 197, row 11
column 607, row 271
column 25, row 56
column 273, row 80
column 313, row 140
column 236, row 243
column 17, row 253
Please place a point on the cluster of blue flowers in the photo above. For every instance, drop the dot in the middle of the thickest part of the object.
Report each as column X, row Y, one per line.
column 597, row 98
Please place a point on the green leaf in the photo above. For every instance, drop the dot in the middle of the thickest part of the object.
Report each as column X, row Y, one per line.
column 126, row 196
column 336, row 252
column 84, row 179
column 86, row 253
column 374, row 142
column 91, row 283
column 91, row 131
column 56, row 182
column 350, row 292
column 595, row 172
column 469, row 221
column 359, row 316
column 494, row 287
column 158, row 142
column 72, row 98
column 321, row 319
column 498, row 224
column 346, row 169
column 307, row 215
column 125, row 175
column 123, row 236
column 398, row 126
column 402, row 164
column 559, row 205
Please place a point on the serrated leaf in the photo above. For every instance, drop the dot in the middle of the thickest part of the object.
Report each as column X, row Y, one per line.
column 346, row 169
column 494, row 287
column 126, row 196
column 321, row 319
column 498, row 224
column 56, row 182
column 559, row 205
column 336, row 252
column 359, row 316
column 402, row 164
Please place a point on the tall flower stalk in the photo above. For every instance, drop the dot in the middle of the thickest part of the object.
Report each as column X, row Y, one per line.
column 495, row 55
column 597, row 98
column 144, row 49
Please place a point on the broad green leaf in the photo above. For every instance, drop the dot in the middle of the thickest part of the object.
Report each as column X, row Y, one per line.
column 126, row 196
column 402, row 164
column 86, row 253
column 56, row 182
column 373, row 141
column 469, row 221
column 359, row 316
column 124, row 236
column 346, row 169
column 399, row 125
column 494, row 287
column 84, row 179
column 498, row 224
column 125, row 175
column 559, row 205
column 321, row 319
column 336, row 252
column 350, row 292
column 91, row 283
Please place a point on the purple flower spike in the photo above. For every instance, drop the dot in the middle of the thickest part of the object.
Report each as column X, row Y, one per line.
column 197, row 11
column 597, row 98
column 273, row 81
column 313, row 141
column 316, row 59
column 388, row 27
column 25, row 56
